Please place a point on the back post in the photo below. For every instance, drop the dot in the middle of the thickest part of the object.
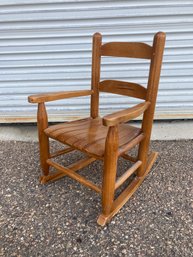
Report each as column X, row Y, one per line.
column 96, row 62
column 152, row 89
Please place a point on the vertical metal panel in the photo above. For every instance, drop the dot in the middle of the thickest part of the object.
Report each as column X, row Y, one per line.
column 45, row 46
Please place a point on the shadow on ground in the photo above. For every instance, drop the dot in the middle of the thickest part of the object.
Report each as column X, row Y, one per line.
column 59, row 219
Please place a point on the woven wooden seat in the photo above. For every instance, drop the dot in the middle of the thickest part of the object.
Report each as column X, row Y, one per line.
column 108, row 137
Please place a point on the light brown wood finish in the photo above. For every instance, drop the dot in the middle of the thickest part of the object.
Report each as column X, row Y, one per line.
column 127, row 193
column 81, row 163
column 42, row 120
column 129, row 158
column 127, row 174
column 110, row 169
column 108, row 138
column 75, row 167
column 125, row 115
column 152, row 89
column 89, row 135
column 48, row 97
column 96, row 61
column 74, row 175
column 52, row 177
column 123, row 88
column 60, row 152
column 125, row 49
column 128, row 146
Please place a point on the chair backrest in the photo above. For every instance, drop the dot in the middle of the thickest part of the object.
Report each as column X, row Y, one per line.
column 132, row 50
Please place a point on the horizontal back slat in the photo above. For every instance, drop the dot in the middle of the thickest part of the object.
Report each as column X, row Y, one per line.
column 124, row 49
column 123, row 88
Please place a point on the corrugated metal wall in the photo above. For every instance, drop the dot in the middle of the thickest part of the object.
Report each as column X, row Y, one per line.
column 45, row 45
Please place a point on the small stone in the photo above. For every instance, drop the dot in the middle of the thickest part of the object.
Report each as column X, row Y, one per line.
column 169, row 213
column 79, row 240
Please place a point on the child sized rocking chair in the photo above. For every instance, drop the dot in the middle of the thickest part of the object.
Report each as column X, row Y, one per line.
column 110, row 137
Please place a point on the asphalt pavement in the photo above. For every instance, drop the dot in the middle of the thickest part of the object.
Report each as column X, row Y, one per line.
column 59, row 219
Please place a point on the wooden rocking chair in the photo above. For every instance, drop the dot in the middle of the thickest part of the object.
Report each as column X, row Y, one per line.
column 109, row 137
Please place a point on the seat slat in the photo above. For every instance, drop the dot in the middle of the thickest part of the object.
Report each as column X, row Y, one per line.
column 70, row 125
column 123, row 88
column 123, row 137
column 127, row 49
column 79, row 128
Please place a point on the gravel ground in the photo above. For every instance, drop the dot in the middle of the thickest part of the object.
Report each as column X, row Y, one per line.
column 59, row 219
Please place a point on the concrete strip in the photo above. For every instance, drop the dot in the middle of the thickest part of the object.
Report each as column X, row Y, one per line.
column 162, row 130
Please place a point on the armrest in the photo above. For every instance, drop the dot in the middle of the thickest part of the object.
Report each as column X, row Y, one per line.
column 47, row 97
column 125, row 115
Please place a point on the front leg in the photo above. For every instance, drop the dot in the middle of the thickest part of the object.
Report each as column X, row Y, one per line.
column 109, row 174
column 42, row 120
